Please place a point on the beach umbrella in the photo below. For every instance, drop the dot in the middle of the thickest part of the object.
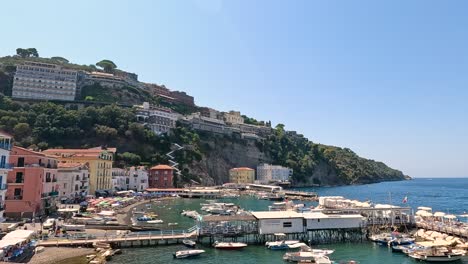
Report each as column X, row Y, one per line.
column 424, row 208
column 439, row 214
column 450, row 216
column 421, row 213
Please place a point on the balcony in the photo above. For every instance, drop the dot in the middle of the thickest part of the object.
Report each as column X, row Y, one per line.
column 53, row 193
column 7, row 166
column 83, row 187
column 17, row 181
column 15, row 197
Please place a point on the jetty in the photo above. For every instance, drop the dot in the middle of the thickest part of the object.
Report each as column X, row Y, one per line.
column 132, row 239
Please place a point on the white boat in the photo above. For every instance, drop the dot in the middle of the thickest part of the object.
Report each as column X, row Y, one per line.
column 306, row 256
column 157, row 221
column 173, row 224
column 229, row 245
column 436, row 254
column 189, row 243
column 277, row 243
column 188, row 253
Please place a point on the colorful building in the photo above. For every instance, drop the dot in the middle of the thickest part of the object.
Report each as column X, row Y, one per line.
column 5, row 167
column 138, row 178
column 161, row 176
column 99, row 162
column 32, row 184
column 242, row 175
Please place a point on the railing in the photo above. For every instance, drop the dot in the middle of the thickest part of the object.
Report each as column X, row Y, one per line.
column 53, row 193
column 16, row 197
column 7, row 166
column 19, row 181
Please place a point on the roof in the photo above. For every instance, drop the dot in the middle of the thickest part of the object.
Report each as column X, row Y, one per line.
column 221, row 218
column 161, row 167
column 165, row 190
column 242, row 169
column 81, row 151
column 319, row 215
column 276, row 214
column 5, row 134
column 69, row 165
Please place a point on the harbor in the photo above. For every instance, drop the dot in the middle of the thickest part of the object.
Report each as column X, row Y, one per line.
column 332, row 222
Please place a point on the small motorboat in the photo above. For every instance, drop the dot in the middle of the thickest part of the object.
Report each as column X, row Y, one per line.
column 189, row 243
column 173, row 224
column 305, row 256
column 157, row 221
column 188, row 253
column 276, row 243
column 145, row 218
column 229, row 245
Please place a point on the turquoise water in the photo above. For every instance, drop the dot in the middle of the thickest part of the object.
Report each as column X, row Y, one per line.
column 448, row 195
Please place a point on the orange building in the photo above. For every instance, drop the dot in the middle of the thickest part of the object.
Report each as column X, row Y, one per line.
column 161, row 176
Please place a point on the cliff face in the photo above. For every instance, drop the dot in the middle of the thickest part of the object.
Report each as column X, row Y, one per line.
column 221, row 154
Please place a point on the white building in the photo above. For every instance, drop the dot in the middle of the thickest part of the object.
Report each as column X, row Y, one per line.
column 269, row 173
column 288, row 222
column 120, row 179
column 5, row 167
column 35, row 80
column 73, row 180
column 160, row 120
column 138, row 178
column 272, row 222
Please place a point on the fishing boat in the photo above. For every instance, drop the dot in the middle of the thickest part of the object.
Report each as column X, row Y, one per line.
column 229, row 245
column 189, row 243
column 436, row 253
column 188, row 253
column 401, row 241
column 145, row 218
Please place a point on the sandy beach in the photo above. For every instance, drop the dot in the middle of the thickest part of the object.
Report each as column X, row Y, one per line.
column 55, row 255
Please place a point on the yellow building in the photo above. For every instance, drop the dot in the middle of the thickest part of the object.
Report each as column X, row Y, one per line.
column 242, row 175
column 99, row 161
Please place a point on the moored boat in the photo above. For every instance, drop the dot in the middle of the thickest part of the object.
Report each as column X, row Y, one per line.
column 306, row 256
column 157, row 221
column 189, row 243
column 229, row 245
column 188, row 253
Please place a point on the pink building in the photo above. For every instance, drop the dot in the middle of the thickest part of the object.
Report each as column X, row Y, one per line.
column 32, row 184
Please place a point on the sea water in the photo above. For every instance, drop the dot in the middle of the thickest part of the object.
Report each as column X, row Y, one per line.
column 442, row 194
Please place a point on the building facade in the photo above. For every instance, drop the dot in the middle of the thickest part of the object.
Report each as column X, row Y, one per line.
column 159, row 119
column 269, row 173
column 35, row 80
column 32, row 184
column 138, row 178
column 242, row 175
column 5, row 167
column 161, row 176
column 99, row 162
column 73, row 180
column 120, row 179
column 233, row 117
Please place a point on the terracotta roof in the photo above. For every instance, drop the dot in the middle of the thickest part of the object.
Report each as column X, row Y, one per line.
column 242, row 169
column 87, row 151
column 161, row 167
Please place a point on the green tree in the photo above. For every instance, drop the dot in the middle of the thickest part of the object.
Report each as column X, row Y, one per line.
column 33, row 52
column 23, row 53
column 108, row 65
column 59, row 59
column 129, row 159
column 21, row 131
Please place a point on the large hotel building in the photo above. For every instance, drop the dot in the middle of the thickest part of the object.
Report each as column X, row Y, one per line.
column 35, row 80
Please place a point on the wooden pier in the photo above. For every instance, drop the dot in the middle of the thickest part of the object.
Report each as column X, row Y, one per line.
column 138, row 239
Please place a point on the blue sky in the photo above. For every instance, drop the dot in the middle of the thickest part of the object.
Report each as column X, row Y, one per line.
column 384, row 78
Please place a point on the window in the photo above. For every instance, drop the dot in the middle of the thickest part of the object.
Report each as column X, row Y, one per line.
column 20, row 162
column 48, row 177
column 2, row 161
column 18, row 194
column 19, row 178
column 287, row 224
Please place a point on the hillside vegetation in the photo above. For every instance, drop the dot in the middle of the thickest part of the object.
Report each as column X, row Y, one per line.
column 206, row 158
